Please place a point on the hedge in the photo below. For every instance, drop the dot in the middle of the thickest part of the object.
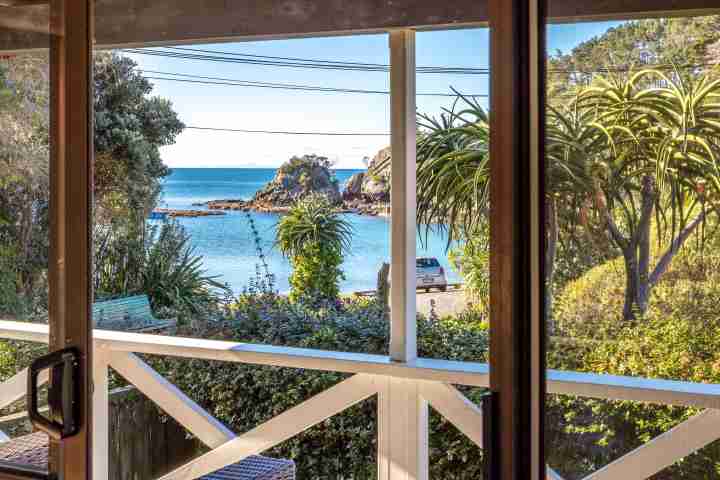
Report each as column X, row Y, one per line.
column 344, row 446
column 678, row 339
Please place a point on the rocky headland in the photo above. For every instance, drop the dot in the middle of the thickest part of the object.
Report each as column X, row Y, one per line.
column 366, row 193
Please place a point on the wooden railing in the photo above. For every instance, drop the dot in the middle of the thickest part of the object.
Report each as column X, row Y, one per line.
column 404, row 390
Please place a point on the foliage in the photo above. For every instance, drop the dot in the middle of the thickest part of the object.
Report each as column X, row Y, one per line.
column 453, row 169
column 472, row 260
column 130, row 128
column 653, row 153
column 159, row 262
column 344, row 446
column 678, row 338
column 314, row 236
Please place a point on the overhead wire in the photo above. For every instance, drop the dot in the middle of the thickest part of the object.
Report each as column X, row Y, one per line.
column 285, row 132
column 205, row 80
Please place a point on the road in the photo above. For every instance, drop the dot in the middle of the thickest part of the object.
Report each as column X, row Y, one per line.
column 446, row 303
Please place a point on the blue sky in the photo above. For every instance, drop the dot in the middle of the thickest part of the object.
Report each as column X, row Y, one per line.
column 271, row 109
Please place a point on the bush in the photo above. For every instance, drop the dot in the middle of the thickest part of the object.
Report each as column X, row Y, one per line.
column 159, row 262
column 344, row 446
column 314, row 236
column 678, row 338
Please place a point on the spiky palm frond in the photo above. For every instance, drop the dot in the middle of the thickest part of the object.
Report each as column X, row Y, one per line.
column 453, row 169
column 313, row 221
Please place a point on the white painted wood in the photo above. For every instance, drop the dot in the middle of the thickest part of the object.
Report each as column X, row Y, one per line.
column 172, row 400
column 455, row 407
column 663, row 451
column 280, row 428
column 14, row 388
column 407, row 427
column 668, row 392
column 101, row 415
column 26, row 331
column 462, row 373
column 403, row 129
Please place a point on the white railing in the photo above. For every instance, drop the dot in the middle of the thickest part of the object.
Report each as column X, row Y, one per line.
column 405, row 390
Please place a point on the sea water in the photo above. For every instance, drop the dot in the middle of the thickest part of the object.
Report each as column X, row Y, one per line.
column 227, row 245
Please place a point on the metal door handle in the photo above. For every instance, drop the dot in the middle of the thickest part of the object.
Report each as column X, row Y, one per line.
column 63, row 393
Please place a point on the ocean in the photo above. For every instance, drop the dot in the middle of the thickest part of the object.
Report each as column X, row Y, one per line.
column 227, row 246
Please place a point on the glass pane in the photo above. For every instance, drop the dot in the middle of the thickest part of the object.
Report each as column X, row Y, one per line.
column 24, row 218
column 452, row 224
column 632, row 162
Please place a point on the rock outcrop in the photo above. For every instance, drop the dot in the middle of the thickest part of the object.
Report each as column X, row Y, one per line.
column 295, row 179
column 298, row 178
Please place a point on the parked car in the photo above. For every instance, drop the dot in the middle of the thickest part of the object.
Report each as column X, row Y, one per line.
column 430, row 274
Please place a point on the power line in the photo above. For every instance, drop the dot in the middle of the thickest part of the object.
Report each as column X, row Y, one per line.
column 344, row 66
column 282, row 132
column 297, row 62
column 204, row 80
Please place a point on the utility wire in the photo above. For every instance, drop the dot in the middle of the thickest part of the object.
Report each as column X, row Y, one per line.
column 282, row 132
column 344, row 66
column 296, row 62
column 203, row 80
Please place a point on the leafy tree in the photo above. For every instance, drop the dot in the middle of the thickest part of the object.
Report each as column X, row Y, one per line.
column 314, row 236
column 653, row 153
column 453, row 179
column 130, row 128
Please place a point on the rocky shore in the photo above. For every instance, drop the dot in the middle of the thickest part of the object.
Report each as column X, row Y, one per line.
column 366, row 193
column 188, row 213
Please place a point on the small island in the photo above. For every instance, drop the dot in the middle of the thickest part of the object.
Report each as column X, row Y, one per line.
column 366, row 193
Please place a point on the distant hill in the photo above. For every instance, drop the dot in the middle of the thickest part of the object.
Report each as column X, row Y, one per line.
column 683, row 42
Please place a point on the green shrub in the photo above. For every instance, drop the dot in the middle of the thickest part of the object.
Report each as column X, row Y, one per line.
column 314, row 236
column 678, row 338
column 159, row 262
column 344, row 446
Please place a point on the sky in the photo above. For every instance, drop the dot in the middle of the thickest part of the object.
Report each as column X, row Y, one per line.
column 235, row 107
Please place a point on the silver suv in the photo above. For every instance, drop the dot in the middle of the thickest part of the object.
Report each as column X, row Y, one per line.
column 430, row 274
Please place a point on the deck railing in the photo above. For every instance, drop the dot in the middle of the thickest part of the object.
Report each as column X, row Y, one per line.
column 404, row 390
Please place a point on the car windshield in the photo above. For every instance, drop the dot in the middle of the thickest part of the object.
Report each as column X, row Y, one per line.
column 426, row 263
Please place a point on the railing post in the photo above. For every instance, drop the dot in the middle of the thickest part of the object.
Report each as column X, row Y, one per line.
column 402, row 431
column 403, row 129
column 101, row 414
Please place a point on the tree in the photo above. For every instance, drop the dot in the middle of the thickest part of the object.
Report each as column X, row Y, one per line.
column 655, row 149
column 453, row 179
column 315, row 237
column 130, row 128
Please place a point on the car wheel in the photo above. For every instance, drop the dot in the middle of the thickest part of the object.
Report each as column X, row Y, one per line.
column 443, row 289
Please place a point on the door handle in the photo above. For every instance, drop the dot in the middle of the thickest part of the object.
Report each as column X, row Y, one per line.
column 490, row 447
column 63, row 393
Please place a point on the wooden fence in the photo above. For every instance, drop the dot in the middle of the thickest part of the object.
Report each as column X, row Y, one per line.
column 144, row 443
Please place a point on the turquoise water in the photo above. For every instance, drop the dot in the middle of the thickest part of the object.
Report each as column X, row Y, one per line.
column 227, row 245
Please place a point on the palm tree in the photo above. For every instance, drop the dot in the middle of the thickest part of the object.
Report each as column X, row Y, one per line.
column 626, row 151
column 453, row 172
column 315, row 237
column 660, row 167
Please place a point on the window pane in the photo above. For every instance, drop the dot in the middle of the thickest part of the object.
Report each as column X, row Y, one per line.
column 632, row 270
column 24, row 218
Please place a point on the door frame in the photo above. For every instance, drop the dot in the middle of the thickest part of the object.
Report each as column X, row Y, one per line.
column 71, row 188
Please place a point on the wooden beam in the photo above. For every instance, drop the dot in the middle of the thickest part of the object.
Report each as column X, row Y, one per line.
column 71, row 177
column 517, row 373
column 35, row 18
column 123, row 23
